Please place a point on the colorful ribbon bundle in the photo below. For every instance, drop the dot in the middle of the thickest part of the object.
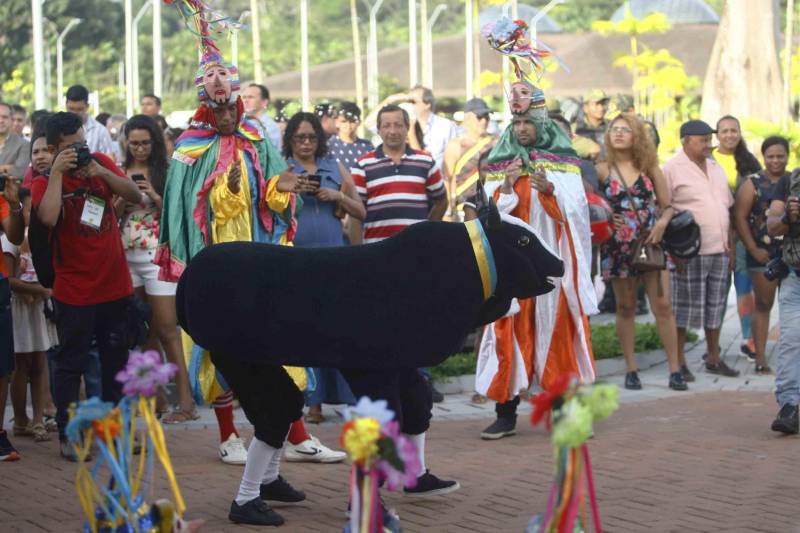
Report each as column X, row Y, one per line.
column 509, row 37
column 118, row 504
column 378, row 451
column 569, row 411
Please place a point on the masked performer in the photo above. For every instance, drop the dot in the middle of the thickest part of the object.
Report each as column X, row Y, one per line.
column 534, row 176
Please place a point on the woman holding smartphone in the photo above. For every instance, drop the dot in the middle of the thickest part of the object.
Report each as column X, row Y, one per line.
column 328, row 194
column 146, row 164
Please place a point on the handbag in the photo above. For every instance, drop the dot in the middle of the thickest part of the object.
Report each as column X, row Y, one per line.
column 646, row 257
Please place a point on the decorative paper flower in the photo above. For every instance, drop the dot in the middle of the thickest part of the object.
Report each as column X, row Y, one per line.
column 545, row 402
column 602, row 400
column 502, row 29
column 574, row 425
column 399, row 462
column 360, row 439
column 144, row 373
column 366, row 408
column 110, row 422
column 87, row 412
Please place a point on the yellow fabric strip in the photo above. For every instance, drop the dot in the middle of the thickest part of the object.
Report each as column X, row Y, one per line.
column 480, row 256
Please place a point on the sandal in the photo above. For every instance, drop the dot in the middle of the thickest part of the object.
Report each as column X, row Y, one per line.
column 50, row 424
column 478, row 399
column 180, row 416
column 314, row 416
column 40, row 433
column 23, row 431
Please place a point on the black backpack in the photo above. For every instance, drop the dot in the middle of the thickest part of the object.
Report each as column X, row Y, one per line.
column 45, row 246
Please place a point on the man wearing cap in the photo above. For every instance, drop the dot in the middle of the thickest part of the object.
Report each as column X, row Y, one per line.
column 593, row 123
column 463, row 153
column 698, row 184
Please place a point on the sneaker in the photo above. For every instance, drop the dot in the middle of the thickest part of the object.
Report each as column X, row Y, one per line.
column 721, row 369
column 430, row 485
column 502, row 427
column 787, row 420
column 632, row 381
column 7, row 450
column 280, row 491
column 676, row 382
column 232, row 451
column 255, row 512
column 311, row 451
column 688, row 377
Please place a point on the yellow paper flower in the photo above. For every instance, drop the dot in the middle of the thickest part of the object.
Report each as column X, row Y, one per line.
column 360, row 439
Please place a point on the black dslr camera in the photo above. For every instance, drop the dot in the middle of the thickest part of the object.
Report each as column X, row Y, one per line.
column 776, row 269
column 83, row 153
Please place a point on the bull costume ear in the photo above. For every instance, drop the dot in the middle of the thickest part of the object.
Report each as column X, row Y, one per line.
column 487, row 210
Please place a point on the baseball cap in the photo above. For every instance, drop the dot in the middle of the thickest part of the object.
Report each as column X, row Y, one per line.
column 696, row 127
column 595, row 95
column 477, row 106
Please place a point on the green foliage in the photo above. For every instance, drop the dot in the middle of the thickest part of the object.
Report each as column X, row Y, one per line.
column 605, row 345
column 757, row 130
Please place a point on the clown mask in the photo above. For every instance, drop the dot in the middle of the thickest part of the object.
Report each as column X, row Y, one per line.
column 217, row 84
column 521, row 96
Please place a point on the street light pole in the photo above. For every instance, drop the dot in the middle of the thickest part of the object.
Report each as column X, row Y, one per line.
column 40, row 97
column 359, row 75
column 413, row 70
column 60, row 57
column 257, row 73
column 135, row 36
column 129, row 57
column 470, row 47
column 541, row 13
column 158, row 87
column 304, row 89
column 429, row 51
column 372, row 55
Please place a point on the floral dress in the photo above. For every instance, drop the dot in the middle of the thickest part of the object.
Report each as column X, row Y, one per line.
column 140, row 226
column 616, row 253
column 757, row 220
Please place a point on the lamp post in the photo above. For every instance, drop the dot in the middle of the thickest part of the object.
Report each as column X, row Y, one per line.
column 60, row 56
column 235, row 39
column 257, row 73
column 158, row 87
column 372, row 54
column 429, row 52
column 128, row 57
column 413, row 70
column 135, row 37
column 304, row 90
column 357, row 55
column 469, row 33
column 541, row 13
column 40, row 97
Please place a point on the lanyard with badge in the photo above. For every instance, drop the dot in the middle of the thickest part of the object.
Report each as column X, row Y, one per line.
column 93, row 208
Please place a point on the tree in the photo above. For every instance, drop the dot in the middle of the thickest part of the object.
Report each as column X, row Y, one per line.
column 743, row 75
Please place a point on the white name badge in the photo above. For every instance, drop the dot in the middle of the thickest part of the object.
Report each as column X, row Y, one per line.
column 93, row 209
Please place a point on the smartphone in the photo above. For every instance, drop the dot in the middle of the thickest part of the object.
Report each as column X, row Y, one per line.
column 138, row 177
column 316, row 178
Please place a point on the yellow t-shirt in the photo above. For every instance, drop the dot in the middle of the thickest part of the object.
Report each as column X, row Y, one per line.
column 728, row 164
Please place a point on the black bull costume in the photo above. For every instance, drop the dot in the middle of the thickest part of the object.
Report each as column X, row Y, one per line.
column 406, row 302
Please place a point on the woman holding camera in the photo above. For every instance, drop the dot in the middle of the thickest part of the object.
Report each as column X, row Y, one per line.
column 328, row 193
column 750, row 216
column 146, row 164
column 637, row 191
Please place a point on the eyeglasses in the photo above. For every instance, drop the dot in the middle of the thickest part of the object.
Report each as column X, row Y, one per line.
column 300, row 139
column 621, row 129
column 139, row 144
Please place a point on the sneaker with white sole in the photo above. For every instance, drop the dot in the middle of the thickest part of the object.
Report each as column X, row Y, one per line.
column 232, row 451
column 311, row 451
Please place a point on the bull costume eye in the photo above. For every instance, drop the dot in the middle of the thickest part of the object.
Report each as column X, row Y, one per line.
column 524, row 240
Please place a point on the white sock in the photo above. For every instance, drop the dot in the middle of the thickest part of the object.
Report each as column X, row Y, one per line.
column 259, row 457
column 274, row 467
column 419, row 442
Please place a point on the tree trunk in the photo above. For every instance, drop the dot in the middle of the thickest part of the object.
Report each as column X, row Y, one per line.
column 743, row 76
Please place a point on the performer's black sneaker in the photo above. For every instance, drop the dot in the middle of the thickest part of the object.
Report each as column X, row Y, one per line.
column 632, row 381
column 676, row 382
column 502, row 427
column 688, row 377
column 255, row 512
column 787, row 420
column 280, row 491
column 430, row 485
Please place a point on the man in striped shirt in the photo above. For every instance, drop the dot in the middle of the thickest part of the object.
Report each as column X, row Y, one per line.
column 400, row 186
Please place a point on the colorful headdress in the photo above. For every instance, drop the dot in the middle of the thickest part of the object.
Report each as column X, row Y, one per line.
column 201, row 19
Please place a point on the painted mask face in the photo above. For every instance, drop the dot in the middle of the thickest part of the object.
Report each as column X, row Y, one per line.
column 521, row 94
column 217, row 84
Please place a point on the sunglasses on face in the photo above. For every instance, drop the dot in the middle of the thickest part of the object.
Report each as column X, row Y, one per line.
column 304, row 138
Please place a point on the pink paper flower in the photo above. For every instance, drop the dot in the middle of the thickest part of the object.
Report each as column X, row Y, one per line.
column 144, row 373
column 404, row 452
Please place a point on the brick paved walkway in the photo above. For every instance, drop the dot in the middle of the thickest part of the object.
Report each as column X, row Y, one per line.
column 686, row 463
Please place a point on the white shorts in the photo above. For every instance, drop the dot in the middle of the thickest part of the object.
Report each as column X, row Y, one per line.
column 145, row 274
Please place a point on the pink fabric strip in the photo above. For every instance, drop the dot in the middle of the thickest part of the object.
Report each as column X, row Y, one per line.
column 590, row 483
column 551, row 504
